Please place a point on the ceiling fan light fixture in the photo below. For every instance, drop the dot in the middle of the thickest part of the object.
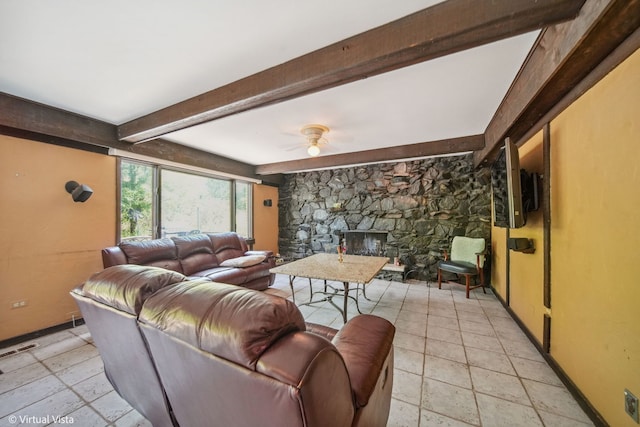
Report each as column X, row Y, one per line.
column 313, row 150
column 314, row 136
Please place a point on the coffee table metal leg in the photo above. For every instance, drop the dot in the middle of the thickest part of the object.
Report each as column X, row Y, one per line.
column 293, row 294
column 346, row 298
column 364, row 292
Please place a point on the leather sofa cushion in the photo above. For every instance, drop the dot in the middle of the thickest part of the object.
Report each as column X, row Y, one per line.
column 231, row 322
column 227, row 245
column 235, row 276
column 126, row 287
column 156, row 253
column 243, row 261
column 195, row 253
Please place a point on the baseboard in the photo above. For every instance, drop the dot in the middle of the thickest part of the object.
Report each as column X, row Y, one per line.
column 37, row 334
column 584, row 403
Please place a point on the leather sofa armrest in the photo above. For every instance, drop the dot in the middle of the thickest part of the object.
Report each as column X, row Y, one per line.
column 270, row 259
column 113, row 256
column 267, row 254
column 364, row 343
column 324, row 331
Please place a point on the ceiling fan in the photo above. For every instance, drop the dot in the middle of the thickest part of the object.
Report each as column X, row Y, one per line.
column 314, row 137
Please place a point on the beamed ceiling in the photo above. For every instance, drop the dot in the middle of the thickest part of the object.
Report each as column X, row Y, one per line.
column 227, row 86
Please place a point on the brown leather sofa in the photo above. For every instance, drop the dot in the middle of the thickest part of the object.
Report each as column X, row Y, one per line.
column 221, row 257
column 203, row 353
column 110, row 302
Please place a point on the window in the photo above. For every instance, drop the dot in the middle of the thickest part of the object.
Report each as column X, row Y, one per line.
column 136, row 201
column 183, row 203
column 243, row 208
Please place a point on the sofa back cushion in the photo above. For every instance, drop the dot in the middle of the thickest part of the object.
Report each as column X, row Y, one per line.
column 126, row 287
column 155, row 253
column 228, row 245
column 195, row 253
column 228, row 321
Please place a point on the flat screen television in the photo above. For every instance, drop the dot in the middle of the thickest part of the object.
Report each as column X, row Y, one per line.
column 506, row 179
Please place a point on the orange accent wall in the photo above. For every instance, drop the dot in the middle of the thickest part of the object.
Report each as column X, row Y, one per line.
column 595, row 200
column 265, row 218
column 48, row 243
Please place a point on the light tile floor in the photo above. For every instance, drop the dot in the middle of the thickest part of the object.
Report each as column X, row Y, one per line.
column 458, row 362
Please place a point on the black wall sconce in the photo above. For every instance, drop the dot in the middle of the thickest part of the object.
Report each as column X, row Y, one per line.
column 520, row 244
column 79, row 192
column 267, row 202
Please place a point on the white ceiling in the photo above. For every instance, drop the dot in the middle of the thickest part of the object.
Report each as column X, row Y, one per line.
column 117, row 60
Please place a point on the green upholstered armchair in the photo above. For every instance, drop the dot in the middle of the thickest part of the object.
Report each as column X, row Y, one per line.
column 467, row 259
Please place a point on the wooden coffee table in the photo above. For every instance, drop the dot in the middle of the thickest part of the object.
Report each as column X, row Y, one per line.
column 353, row 269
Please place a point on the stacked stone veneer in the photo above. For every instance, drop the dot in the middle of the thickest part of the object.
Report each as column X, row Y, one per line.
column 421, row 204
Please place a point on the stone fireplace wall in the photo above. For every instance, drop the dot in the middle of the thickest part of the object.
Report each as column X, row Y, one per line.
column 421, row 204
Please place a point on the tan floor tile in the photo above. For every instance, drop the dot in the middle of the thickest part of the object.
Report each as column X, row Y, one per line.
column 16, row 361
column 556, row 400
column 407, row 360
column 479, row 328
column 534, row 370
column 18, row 398
column 449, row 400
column 403, row 414
column 443, row 334
column 111, row 406
column 22, row 376
column 409, row 342
column 447, row 371
column 446, row 350
column 489, row 360
column 554, row 420
column 499, row 385
column 483, row 342
column 428, row 419
column 94, row 387
column 58, row 404
column 442, row 322
column 86, row 416
column 132, row 419
column 407, row 386
column 497, row 412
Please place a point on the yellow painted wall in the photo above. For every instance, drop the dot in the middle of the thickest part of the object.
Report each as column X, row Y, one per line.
column 527, row 270
column 499, row 260
column 48, row 243
column 595, row 200
column 265, row 218
column 595, row 159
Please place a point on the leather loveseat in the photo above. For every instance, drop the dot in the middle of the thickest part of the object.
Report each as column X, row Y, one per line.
column 201, row 353
column 221, row 257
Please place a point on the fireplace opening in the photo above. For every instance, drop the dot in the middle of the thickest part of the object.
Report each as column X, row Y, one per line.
column 366, row 242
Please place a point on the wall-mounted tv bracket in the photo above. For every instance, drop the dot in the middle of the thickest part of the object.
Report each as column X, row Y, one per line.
column 521, row 244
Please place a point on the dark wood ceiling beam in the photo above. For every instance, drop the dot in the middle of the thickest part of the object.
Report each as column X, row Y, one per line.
column 440, row 30
column 564, row 55
column 27, row 119
column 28, row 116
column 423, row 149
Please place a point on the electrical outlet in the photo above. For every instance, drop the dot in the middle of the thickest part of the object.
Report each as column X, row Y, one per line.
column 19, row 304
column 631, row 405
